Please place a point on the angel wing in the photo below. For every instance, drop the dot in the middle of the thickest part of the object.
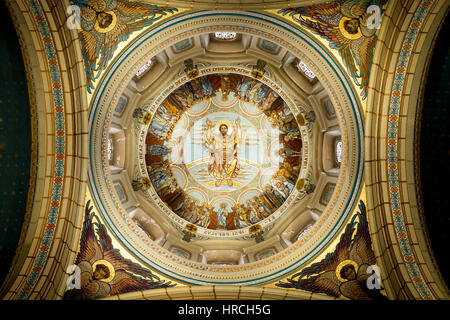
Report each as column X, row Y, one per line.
column 89, row 248
column 361, row 248
column 355, row 290
column 325, row 14
column 321, row 277
column 362, row 50
column 356, row 52
column 323, row 283
column 101, row 44
column 125, row 282
column 129, row 276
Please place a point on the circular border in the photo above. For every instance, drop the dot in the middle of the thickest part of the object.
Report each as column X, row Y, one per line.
column 332, row 218
column 205, row 233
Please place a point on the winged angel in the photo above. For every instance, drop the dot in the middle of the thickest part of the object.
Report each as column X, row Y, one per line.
column 345, row 271
column 103, row 270
column 347, row 25
column 105, row 23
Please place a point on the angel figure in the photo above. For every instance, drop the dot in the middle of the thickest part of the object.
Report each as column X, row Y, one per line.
column 105, row 23
column 103, row 270
column 344, row 271
column 346, row 24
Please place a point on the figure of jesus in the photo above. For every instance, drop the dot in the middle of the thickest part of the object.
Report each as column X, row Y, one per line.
column 224, row 164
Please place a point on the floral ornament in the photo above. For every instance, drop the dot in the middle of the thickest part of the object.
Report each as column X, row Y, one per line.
column 106, row 23
column 189, row 231
column 346, row 271
column 347, row 25
column 146, row 183
column 146, row 118
column 191, row 69
column 141, row 184
column 307, row 71
column 225, row 35
column 142, row 70
column 256, row 232
column 103, row 270
column 141, row 116
column 258, row 70
column 254, row 229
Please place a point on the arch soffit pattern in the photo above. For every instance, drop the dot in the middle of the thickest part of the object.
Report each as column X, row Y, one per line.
column 406, row 271
column 62, row 148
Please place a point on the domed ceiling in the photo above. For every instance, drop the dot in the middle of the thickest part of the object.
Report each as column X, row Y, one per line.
column 223, row 149
column 213, row 146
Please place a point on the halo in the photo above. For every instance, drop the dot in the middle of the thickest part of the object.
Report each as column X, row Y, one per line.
column 345, row 33
column 108, row 28
column 110, row 267
column 225, row 122
column 341, row 265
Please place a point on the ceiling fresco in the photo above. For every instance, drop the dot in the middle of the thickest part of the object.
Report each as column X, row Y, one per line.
column 350, row 27
column 223, row 151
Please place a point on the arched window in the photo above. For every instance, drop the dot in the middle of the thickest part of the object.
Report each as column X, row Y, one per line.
column 225, row 35
column 110, row 149
column 303, row 68
column 339, row 151
column 142, row 70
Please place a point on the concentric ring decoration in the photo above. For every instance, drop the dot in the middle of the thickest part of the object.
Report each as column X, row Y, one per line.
column 302, row 45
column 204, row 233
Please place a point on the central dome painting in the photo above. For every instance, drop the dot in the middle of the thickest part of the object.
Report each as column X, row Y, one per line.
column 223, row 151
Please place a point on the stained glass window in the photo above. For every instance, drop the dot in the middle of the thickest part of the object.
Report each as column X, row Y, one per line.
column 303, row 68
column 339, row 151
column 142, row 70
column 225, row 35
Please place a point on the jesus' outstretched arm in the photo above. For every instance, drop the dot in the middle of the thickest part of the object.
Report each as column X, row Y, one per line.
column 208, row 132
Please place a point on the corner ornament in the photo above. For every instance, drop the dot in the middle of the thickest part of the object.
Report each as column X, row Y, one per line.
column 101, row 270
column 106, row 23
column 350, row 27
column 348, row 270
